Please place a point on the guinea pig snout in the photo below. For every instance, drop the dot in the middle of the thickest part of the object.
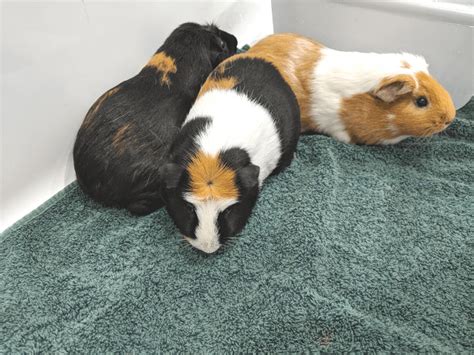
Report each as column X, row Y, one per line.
column 450, row 113
column 445, row 120
column 449, row 118
column 208, row 246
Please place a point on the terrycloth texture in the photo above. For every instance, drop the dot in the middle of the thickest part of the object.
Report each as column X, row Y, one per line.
column 351, row 248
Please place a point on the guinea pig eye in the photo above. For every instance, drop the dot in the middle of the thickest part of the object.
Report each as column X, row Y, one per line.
column 421, row 101
column 190, row 207
column 222, row 44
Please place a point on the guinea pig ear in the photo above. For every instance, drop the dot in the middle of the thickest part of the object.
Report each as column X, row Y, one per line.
column 170, row 175
column 248, row 176
column 223, row 45
column 230, row 40
column 391, row 88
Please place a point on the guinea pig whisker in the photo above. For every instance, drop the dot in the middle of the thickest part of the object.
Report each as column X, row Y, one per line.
column 231, row 241
column 154, row 134
column 182, row 241
column 148, row 179
column 121, row 116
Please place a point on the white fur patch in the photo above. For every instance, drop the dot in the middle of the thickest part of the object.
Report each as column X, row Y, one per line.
column 393, row 129
column 393, row 140
column 390, row 116
column 339, row 75
column 238, row 122
column 207, row 211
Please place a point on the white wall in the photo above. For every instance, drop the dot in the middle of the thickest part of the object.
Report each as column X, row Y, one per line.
column 58, row 57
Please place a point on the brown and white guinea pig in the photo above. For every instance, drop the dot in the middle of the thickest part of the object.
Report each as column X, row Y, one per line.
column 243, row 127
column 127, row 133
column 362, row 98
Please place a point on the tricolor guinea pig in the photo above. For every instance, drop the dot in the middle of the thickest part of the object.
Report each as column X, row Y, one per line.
column 243, row 127
column 127, row 132
column 362, row 98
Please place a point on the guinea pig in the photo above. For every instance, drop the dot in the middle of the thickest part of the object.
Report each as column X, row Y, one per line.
column 362, row 98
column 127, row 132
column 243, row 127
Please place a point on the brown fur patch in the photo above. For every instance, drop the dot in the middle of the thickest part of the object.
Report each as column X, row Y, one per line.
column 210, row 178
column 295, row 57
column 364, row 119
column 365, row 116
column 221, row 68
column 225, row 83
column 119, row 138
column 93, row 110
column 164, row 64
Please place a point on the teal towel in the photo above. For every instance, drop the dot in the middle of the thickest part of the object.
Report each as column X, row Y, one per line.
column 244, row 49
column 351, row 248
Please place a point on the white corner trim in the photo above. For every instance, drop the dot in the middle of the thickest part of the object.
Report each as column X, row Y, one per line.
column 462, row 14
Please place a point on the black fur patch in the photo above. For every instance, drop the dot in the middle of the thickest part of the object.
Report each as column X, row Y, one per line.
column 126, row 136
column 184, row 146
column 182, row 213
column 235, row 158
column 233, row 219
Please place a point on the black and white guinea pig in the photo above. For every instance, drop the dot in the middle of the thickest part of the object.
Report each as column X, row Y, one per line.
column 243, row 127
column 127, row 133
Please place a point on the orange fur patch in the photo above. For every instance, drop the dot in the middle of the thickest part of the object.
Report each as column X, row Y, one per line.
column 221, row 68
column 210, row 178
column 294, row 56
column 365, row 120
column 164, row 64
column 369, row 120
column 93, row 110
column 119, row 138
column 226, row 83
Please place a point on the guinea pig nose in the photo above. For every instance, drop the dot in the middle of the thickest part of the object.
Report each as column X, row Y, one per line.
column 448, row 120
column 208, row 249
